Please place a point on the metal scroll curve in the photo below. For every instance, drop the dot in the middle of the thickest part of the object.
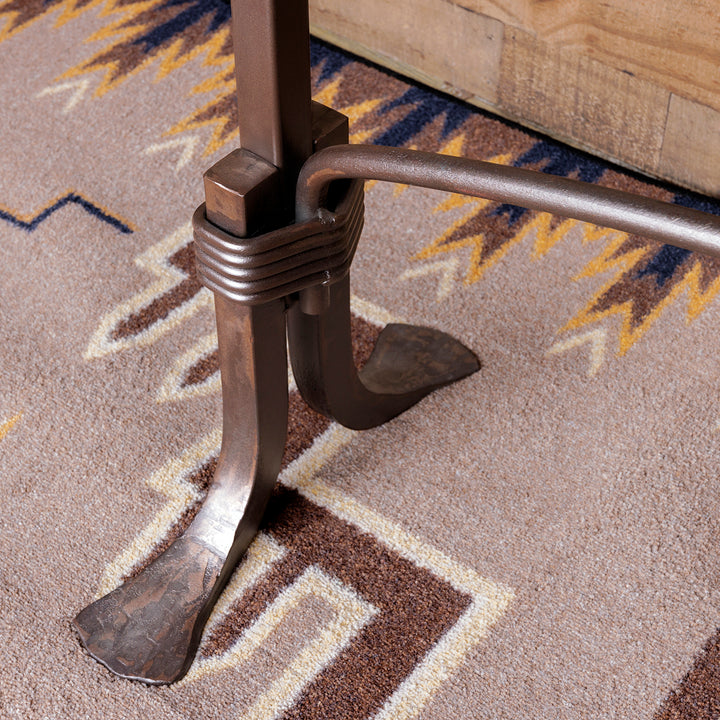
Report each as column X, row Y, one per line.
column 668, row 223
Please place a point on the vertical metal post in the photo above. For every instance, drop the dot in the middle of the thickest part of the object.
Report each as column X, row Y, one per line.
column 271, row 40
column 149, row 628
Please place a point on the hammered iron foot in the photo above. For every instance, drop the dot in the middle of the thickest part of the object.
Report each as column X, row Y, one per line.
column 408, row 362
column 148, row 628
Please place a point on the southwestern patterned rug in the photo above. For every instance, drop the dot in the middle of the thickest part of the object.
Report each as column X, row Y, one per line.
column 539, row 540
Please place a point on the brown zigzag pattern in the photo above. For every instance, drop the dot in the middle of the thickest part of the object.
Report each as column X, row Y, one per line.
column 19, row 14
column 161, row 306
column 137, row 34
column 646, row 276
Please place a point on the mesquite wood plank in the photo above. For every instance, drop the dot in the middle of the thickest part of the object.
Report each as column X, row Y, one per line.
column 634, row 81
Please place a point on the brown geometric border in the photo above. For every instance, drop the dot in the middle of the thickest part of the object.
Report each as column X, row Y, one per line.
column 698, row 695
column 415, row 608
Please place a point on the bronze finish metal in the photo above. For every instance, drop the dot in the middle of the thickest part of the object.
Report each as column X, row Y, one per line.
column 271, row 44
column 261, row 264
column 329, row 127
column 148, row 628
column 283, row 261
column 408, row 362
column 240, row 188
column 668, row 223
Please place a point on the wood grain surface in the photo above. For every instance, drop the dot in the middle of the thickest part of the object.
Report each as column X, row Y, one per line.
column 634, row 81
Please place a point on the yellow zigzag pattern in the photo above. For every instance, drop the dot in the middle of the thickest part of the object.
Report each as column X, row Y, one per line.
column 476, row 267
column 224, row 81
column 354, row 113
column 610, row 260
column 124, row 29
column 68, row 10
column 8, row 425
column 125, row 25
column 220, row 83
column 546, row 235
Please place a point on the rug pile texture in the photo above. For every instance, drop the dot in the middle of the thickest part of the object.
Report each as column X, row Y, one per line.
column 536, row 541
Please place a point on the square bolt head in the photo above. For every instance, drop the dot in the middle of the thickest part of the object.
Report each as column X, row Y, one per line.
column 329, row 127
column 240, row 192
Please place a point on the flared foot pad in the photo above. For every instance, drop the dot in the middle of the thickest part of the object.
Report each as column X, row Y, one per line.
column 148, row 628
column 408, row 358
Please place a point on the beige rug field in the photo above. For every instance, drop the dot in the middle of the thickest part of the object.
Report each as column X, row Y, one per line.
column 537, row 541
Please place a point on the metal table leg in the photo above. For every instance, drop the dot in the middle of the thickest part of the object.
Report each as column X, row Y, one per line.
column 149, row 628
column 261, row 264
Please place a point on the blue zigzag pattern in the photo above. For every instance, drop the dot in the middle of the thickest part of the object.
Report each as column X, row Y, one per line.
column 195, row 11
column 70, row 198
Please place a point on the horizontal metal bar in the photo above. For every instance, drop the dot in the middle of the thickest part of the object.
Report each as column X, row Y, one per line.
column 662, row 221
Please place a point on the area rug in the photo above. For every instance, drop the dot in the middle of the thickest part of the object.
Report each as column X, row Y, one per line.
column 538, row 540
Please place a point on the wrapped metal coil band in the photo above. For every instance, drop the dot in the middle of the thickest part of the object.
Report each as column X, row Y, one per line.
column 263, row 268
